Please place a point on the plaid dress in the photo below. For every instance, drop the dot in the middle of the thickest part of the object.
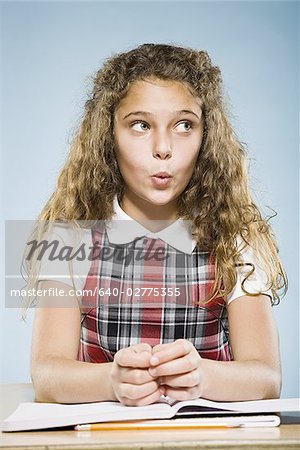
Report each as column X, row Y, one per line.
column 148, row 291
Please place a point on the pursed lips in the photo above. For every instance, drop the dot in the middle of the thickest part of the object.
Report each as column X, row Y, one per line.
column 162, row 175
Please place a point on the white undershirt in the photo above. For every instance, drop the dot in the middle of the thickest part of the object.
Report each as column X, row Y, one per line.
column 60, row 270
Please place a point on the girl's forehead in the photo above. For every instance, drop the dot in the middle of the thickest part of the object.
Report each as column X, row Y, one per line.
column 158, row 83
column 152, row 90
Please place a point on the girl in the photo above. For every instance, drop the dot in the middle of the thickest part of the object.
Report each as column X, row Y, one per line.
column 175, row 297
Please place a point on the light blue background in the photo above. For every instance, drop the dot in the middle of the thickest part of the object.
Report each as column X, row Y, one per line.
column 50, row 49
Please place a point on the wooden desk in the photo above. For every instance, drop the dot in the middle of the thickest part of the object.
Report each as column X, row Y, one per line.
column 283, row 437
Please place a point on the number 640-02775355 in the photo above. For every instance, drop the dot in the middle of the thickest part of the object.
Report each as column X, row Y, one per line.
column 141, row 292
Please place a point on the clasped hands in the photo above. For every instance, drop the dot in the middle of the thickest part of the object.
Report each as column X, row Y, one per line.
column 140, row 374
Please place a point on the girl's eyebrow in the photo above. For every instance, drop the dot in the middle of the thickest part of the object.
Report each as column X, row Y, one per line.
column 145, row 113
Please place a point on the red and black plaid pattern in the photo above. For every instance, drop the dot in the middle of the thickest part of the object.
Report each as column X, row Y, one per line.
column 120, row 319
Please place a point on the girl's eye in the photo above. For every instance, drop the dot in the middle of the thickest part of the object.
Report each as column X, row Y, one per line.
column 139, row 126
column 184, row 126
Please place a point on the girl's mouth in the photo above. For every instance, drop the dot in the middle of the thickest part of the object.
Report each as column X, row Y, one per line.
column 161, row 181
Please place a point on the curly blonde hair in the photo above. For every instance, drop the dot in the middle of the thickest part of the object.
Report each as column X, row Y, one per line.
column 217, row 199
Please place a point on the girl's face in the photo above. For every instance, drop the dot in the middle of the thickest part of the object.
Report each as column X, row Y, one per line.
column 158, row 127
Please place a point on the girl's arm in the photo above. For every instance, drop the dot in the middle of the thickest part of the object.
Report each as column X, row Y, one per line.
column 58, row 377
column 55, row 373
column 255, row 372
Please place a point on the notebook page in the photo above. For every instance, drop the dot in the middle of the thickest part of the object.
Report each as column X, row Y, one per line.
column 46, row 415
column 253, row 406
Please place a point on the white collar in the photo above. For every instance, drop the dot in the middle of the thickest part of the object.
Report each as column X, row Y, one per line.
column 177, row 234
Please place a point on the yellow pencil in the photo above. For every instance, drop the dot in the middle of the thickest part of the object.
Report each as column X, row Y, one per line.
column 150, row 425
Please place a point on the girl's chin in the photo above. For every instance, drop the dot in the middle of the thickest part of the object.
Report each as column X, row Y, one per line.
column 160, row 198
column 155, row 197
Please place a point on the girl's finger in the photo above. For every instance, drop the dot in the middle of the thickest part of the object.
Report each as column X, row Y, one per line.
column 134, row 376
column 129, row 357
column 135, row 392
column 147, row 400
column 190, row 379
column 142, row 347
column 186, row 364
column 167, row 352
column 182, row 394
column 158, row 347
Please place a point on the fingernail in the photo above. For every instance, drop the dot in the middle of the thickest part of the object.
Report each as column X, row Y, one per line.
column 154, row 360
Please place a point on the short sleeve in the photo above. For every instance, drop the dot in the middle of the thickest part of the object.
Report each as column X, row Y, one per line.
column 64, row 255
column 256, row 283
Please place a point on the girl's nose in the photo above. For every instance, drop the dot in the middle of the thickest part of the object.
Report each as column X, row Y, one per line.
column 162, row 148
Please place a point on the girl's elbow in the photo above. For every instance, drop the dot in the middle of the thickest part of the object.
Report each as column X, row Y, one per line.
column 277, row 386
column 274, row 385
column 41, row 392
column 42, row 395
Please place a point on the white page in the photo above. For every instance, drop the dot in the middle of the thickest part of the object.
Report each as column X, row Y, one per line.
column 33, row 415
column 254, row 406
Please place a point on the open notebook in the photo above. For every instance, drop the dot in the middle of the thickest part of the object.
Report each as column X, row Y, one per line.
column 31, row 416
